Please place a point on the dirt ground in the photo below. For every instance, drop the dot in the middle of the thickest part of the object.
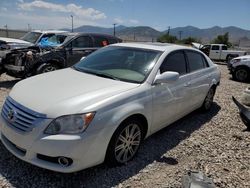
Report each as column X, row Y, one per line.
column 212, row 142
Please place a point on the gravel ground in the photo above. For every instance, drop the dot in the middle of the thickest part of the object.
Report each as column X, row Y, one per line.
column 213, row 143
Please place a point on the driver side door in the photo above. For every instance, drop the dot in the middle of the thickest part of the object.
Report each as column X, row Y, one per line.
column 171, row 100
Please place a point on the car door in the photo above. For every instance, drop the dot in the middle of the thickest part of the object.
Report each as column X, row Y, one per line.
column 171, row 100
column 200, row 77
column 215, row 52
column 77, row 48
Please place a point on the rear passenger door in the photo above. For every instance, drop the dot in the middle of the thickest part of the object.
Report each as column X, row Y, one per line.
column 77, row 48
column 215, row 52
column 200, row 77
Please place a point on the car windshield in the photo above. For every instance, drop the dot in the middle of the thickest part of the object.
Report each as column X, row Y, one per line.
column 120, row 63
column 52, row 40
column 31, row 37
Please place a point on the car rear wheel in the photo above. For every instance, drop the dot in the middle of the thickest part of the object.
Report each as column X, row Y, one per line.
column 124, row 143
column 208, row 102
column 241, row 74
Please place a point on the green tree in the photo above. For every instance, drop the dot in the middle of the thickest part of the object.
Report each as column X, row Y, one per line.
column 189, row 40
column 167, row 38
column 222, row 39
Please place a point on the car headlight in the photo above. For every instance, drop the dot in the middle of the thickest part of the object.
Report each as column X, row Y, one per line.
column 70, row 124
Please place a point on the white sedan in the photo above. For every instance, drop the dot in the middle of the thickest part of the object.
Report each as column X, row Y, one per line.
column 102, row 108
column 240, row 68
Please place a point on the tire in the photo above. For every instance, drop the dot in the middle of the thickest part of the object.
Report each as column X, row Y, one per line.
column 208, row 101
column 47, row 68
column 241, row 74
column 124, row 143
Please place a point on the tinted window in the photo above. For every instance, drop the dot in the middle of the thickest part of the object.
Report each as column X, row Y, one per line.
column 224, row 48
column 196, row 61
column 100, row 41
column 215, row 47
column 82, row 42
column 174, row 62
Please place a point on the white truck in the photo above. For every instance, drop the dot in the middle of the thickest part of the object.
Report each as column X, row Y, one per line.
column 219, row 52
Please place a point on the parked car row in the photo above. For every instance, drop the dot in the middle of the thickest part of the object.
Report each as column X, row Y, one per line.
column 51, row 51
column 102, row 108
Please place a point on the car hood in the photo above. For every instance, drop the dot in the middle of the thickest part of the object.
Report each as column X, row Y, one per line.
column 243, row 57
column 66, row 91
column 11, row 40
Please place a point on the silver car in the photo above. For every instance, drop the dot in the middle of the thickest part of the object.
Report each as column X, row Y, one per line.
column 102, row 108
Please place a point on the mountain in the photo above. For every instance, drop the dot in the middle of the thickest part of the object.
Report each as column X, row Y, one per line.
column 140, row 33
column 144, row 33
column 206, row 35
column 95, row 29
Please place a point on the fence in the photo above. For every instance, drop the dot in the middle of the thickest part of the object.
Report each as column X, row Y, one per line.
column 12, row 33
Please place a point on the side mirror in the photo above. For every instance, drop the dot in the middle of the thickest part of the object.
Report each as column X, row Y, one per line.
column 83, row 58
column 166, row 77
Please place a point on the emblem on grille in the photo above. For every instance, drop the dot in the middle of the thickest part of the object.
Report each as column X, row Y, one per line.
column 11, row 115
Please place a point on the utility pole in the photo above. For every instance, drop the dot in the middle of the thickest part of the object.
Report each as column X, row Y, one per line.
column 180, row 33
column 72, row 23
column 114, row 28
column 168, row 30
column 7, row 32
column 134, row 36
column 29, row 28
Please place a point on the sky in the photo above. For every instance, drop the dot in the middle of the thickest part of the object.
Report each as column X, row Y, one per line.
column 159, row 14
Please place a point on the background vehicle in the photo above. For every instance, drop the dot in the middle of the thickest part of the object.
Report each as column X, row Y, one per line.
column 103, row 107
column 31, row 61
column 29, row 39
column 239, row 67
column 220, row 52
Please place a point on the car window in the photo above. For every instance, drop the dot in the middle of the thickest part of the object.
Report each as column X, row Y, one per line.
column 224, row 48
column 100, row 41
column 174, row 62
column 82, row 42
column 31, row 37
column 196, row 61
column 123, row 63
column 215, row 47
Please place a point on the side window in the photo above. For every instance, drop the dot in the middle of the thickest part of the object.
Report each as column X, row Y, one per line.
column 82, row 42
column 215, row 47
column 174, row 62
column 224, row 48
column 100, row 41
column 196, row 61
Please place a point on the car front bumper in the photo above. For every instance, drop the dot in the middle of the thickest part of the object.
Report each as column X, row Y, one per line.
column 85, row 150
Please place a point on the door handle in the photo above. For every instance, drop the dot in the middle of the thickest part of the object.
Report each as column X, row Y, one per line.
column 187, row 84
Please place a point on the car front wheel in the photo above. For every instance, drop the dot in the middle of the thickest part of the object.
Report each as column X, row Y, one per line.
column 47, row 68
column 124, row 143
column 241, row 74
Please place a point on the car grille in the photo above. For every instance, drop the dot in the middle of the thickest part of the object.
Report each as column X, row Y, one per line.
column 20, row 117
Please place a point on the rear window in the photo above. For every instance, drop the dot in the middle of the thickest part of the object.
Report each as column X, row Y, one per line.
column 100, row 41
column 215, row 47
column 196, row 61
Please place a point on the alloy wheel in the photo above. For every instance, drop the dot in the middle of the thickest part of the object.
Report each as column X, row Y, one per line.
column 128, row 143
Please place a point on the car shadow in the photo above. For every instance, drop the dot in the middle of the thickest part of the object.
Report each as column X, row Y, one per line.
column 22, row 174
column 8, row 84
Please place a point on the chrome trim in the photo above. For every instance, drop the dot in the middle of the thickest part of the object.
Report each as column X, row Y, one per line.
column 20, row 117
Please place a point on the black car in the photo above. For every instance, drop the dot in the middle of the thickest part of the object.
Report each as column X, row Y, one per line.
column 34, row 60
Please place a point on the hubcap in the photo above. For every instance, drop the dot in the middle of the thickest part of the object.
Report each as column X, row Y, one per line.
column 127, row 143
column 49, row 69
column 241, row 74
column 209, row 99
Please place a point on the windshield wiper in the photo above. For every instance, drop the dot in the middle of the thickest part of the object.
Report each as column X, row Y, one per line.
column 105, row 75
column 101, row 74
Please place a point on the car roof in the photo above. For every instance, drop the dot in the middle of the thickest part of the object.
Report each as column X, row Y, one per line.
column 49, row 31
column 154, row 46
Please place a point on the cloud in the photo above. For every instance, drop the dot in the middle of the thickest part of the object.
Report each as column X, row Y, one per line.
column 71, row 8
column 118, row 21
column 132, row 21
column 4, row 9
